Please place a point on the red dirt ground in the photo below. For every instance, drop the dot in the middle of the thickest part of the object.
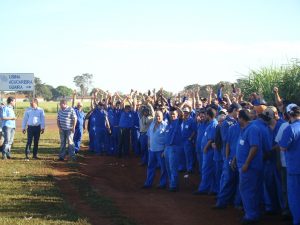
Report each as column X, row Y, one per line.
column 121, row 180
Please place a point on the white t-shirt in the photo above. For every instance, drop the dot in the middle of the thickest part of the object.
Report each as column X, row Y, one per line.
column 278, row 138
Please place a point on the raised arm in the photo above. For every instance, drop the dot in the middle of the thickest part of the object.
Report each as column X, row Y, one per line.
column 278, row 100
column 73, row 98
column 209, row 97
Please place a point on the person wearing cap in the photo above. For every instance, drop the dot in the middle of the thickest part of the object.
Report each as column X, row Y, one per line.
column 202, row 123
column 34, row 121
column 79, row 124
column 285, row 213
column 249, row 157
column 229, row 178
column 207, row 184
column 290, row 143
column 188, row 132
column 173, row 144
column 8, row 126
column 146, row 114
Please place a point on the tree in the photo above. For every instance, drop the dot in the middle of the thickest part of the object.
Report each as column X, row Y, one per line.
column 42, row 89
column 63, row 92
column 83, row 82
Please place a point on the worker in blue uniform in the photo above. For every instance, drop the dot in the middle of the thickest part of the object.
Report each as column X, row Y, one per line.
column 207, row 184
column 156, row 135
column 173, row 143
column 229, row 177
column 188, row 132
column 79, row 124
column 290, row 143
column 201, row 127
column 249, row 155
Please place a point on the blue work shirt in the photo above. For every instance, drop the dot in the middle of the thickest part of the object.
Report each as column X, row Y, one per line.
column 110, row 115
column 8, row 111
column 233, row 139
column 291, row 141
column 100, row 119
column 80, row 118
column 126, row 120
column 265, row 133
column 157, row 137
column 187, row 128
column 92, row 121
column 227, row 123
column 136, row 120
column 201, row 127
column 117, row 116
column 209, row 134
column 173, row 133
column 250, row 136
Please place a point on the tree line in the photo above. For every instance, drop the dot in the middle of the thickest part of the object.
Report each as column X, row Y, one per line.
column 262, row 81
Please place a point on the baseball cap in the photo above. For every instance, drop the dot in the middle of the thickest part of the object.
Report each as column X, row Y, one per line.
column 259, row 108
column 223, row 111
column 268, row 113
column 289, row 107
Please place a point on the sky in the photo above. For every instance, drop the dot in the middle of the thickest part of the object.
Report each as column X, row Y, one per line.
column 146, row 44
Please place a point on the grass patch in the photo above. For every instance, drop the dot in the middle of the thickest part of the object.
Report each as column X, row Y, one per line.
column 28, row 192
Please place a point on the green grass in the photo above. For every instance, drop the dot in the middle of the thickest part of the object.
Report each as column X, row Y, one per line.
column 28, row 191
column 49, row 107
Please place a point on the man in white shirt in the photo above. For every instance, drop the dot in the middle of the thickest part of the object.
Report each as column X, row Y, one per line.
column 34, row 121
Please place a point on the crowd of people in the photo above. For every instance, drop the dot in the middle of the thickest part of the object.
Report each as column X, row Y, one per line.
column 246, row 152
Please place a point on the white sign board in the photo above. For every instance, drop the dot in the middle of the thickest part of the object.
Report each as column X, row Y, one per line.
column 16, row 81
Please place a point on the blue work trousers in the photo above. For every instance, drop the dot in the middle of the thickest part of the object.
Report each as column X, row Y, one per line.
column 154, row 159
column 188, row 148
column 229, row 191
column 273, row 197
column 250, row 186
column 171, row 161
column 293, row 188
column 77, row 138
column 207, row 183
column 144, row 147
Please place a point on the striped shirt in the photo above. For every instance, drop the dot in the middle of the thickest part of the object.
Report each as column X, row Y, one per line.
column 66, row 118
